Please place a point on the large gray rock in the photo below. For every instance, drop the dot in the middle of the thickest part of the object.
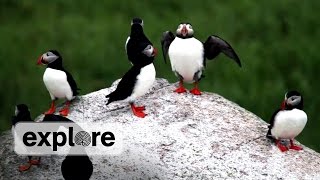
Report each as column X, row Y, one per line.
column 183, row 137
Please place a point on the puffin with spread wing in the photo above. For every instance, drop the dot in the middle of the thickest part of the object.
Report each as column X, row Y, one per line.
column 188, row 55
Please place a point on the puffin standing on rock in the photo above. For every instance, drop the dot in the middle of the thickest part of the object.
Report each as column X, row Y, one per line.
column 73, row 166
column 137, row 81
column 188, row 55
column 288, row 121
column 22, row 114
column 136, row 41
column 58, row 81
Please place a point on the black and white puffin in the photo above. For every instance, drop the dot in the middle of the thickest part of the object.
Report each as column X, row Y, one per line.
column 137, row 81
column 288, row 121
column 136, row 41
column 22, row 114
column 188, row 55
column 58, row 81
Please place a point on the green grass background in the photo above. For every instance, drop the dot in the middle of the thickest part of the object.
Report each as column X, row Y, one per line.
column 277, row 42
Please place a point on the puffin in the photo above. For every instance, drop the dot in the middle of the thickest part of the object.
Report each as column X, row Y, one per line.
column 137, row 81
column 136, row 40
column 73, row 166
column 288, row 121
column 188, row 55
column 22, row 114
column 58, row 81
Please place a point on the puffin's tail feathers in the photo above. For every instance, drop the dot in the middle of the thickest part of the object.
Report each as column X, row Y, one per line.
column 108, row 102
column 111, row 99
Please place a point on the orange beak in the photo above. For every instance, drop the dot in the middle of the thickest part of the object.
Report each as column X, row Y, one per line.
column 155, row 51
column 39, row 60
column 184, row 31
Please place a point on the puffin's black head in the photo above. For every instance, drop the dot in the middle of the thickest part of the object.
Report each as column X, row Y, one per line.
column 292, row 99
column 184, row 30
column 49, row 57
column 21, row 113
column 137, row 20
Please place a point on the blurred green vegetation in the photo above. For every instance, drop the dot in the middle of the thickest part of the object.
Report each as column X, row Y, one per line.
column 277, row 42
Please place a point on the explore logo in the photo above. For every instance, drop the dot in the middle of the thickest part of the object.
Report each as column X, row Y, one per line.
column 56, row 138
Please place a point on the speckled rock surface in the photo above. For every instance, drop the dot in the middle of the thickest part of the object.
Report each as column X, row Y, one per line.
column 183, row 137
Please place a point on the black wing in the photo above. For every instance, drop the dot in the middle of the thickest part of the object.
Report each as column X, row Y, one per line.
column 125, row 86
column 166, row 40
column 214, row 45
column 269, row 135
column 72, row 83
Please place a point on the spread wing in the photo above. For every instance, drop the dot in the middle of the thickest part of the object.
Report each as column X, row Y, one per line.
column 166, row 40
column 214, row 45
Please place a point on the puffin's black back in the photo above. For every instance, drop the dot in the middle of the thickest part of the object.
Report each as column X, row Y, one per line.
column 23, row 115
column 76, row 168
column 57, row 64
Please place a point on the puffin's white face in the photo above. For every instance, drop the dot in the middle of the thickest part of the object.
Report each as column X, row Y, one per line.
column 293, row 100
column 184, row 30
column 149, row 51
column 47, row 58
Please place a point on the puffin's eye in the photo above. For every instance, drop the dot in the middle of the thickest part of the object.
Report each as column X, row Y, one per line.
column 190, row 27
column 47, row 54
column 148, row 47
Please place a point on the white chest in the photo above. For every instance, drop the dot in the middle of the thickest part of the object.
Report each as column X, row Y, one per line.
column 186, row 57
column 57, row 84
column 289, row 124
column 144, row 81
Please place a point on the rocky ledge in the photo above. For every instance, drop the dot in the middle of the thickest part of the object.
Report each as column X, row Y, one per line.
column 182, row 137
